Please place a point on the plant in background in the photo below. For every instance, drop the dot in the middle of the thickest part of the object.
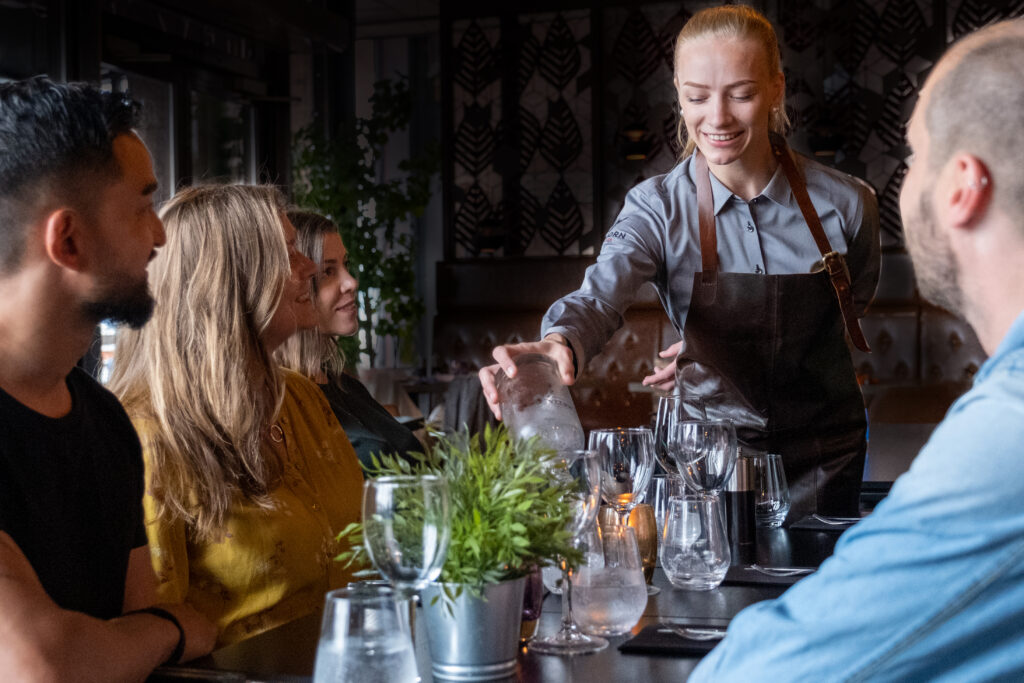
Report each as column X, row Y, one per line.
column 338, row 176
column 510, row 511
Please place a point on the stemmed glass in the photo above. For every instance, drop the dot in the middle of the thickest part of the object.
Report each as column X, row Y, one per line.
column 670, row 412
column 583, row 470
column 705, row 451
column 626, row 461
column 406, row 529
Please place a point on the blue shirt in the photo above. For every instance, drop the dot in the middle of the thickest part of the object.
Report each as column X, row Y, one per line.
column 930, row 586
column 656, row 239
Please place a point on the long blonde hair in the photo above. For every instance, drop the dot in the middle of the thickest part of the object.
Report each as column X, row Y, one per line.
column 199, row 370
column 739, row 22
column 311, row 352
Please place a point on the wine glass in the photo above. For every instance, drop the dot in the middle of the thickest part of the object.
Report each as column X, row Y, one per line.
column 406, row 529
column 663, row 487
column 626, row 461
column 705, row 451
column 583, row 470
column 644, row 526
column 670, row 411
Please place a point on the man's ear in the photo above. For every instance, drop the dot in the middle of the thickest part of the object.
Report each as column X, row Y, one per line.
column 971, row 194
column 62, row 234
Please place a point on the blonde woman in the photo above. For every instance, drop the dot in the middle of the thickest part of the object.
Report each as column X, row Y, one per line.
column 249, row 475
column 734, row 238
column 314, row 352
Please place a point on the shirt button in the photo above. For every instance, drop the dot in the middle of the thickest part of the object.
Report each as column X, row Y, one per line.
column 755, row 200
column 757, row 269
column 316, row 506
column 750, row 227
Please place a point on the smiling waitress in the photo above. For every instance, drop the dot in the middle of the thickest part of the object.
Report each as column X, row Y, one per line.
column 763, row 260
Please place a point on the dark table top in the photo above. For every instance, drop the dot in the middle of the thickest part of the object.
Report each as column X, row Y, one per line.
column 287, row 653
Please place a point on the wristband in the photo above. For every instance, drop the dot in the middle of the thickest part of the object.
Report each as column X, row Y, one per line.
column 179, row 649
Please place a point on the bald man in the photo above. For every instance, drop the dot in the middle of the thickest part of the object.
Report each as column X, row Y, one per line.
column 930, row 586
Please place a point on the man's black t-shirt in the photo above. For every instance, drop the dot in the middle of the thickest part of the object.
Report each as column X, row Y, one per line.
column 71, row 495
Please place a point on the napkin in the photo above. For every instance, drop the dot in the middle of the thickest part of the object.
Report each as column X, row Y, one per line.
column 741, row 575
column 651, row 641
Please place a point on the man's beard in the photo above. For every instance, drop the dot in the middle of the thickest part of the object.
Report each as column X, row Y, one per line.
column 121, row 303
column 935, row 268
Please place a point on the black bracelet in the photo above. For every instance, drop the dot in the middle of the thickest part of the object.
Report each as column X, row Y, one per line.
column 179, row 649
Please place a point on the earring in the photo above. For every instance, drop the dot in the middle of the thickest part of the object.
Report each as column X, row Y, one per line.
column 680, row 111
column 982, row 182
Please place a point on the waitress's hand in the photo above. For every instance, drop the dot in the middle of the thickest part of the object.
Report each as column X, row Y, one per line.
column 665, row 378
column 553, row 346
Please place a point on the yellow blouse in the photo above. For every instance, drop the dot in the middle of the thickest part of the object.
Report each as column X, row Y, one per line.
column 272, row 566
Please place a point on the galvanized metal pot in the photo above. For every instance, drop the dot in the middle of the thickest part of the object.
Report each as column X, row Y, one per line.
column 479, row 639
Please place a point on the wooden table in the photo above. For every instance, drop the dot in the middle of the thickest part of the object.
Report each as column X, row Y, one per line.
column 286, row 654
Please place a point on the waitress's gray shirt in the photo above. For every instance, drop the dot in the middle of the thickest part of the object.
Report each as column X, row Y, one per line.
column 656, row 239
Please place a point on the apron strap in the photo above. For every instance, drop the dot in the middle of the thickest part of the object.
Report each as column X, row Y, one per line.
column 706, row 218
column 832, row 260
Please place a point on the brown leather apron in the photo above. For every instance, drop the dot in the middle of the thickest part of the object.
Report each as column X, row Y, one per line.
column 768, row 352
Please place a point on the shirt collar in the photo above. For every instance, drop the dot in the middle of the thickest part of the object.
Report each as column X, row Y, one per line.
column 1013, row 341
column 777, row 190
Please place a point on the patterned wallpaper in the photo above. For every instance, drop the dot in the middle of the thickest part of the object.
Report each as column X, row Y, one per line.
column 556, row 160
column 853, row 71
column 477, row 103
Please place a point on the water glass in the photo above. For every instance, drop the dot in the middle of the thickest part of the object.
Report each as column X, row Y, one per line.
column 536, row 403
column 406, row 528
column 627, row 462
column 705, row 451
column 695, row 548
column 609, row 592
column 361, row 640
column 771, row 492
column 406, row 603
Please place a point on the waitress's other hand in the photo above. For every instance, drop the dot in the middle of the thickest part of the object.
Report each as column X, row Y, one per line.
column 664, row 379
column 552, row 346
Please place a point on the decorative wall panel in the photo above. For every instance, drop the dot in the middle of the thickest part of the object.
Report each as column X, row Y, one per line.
column 477, row 186
column 853, row 70
column 556, row 160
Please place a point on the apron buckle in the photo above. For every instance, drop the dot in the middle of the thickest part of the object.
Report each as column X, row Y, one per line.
column 834, row 264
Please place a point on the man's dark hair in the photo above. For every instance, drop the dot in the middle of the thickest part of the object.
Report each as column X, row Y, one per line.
column 56, row 141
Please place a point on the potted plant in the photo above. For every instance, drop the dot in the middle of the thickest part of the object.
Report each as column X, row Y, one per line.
column 509, row 515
